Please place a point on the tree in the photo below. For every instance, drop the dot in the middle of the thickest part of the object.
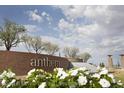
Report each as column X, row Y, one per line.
column 34, row 43
column 27, row 42
column 118, row 64
column 70, row 52
column 50, row 48
column 10, row 34
column 85, row 56
column 37, row 44
column 102, row 64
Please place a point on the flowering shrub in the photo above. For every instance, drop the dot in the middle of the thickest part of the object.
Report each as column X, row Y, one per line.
column 35, row 77
column 60, row 78
column 8, row 80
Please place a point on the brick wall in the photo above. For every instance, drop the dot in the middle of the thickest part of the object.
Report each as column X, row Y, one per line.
column 19, row 62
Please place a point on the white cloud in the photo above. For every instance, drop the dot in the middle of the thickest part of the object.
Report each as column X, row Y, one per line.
column 34, row 15
column 114, row 43
column 44, row 14
column 54, row 40
column 65, row 26
column 72, row 12
column 80, row 29
column 92, row 12
column 47, row 17
column 102, row 36
column 31, row 28
column 107, row 21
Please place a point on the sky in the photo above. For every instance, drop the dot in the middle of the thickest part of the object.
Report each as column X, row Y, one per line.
column 98, row 30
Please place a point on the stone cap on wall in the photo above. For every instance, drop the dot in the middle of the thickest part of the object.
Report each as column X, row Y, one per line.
column 121, row 54
column 75, row 60
column 110, row 55
column 20, row 52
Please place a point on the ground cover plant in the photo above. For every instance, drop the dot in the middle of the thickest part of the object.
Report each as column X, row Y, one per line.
column 60, row 78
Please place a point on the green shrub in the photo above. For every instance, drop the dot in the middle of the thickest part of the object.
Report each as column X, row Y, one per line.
column 73, row 78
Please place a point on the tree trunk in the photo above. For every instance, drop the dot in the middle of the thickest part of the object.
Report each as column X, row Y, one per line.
column 8, row 48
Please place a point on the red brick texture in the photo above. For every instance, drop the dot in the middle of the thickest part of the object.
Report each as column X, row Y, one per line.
column 19, row 62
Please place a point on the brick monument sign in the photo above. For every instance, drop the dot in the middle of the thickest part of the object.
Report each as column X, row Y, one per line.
column 22, row 62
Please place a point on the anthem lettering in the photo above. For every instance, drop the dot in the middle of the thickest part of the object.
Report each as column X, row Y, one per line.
column 44, row 62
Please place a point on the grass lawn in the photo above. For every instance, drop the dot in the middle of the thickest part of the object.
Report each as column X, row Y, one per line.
column 119, row 75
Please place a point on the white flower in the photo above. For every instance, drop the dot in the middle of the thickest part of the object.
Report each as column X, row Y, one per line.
column 58, row 69
column 103, row 68
column 82, row 68
column 1, row 77
column 3, row 82
column 103, row 71
column 3, row 74
column 31, row 71
column 114, row 81
column 37, row 76
column 62, row 74
column 42, row 85
column 87, row 72
column 13, row 81
column 119, row 83
column 96, row 75
column 74, row 72
column 98, row 67
column 10, row 74
column 34, row 81
column 112, row 77
column 82, row 80
column 104, row 83
column 91, row 81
